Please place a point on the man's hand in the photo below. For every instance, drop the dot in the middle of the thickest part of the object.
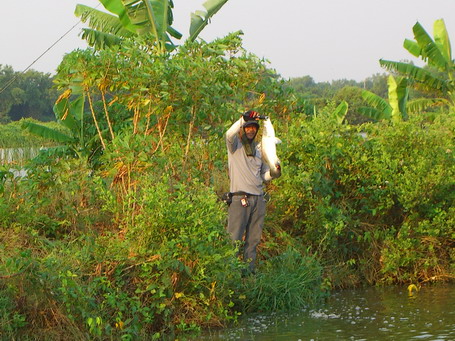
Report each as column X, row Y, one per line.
column 250, row 115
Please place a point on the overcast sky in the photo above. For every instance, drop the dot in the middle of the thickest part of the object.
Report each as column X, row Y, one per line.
column 325, row 39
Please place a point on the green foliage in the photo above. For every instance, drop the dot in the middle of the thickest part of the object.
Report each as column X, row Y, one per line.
column 314, row 97
column 128, row 241
column 50, row 199
column 170, row 268
column 353, row 189
column 353, row 96
column 171, row 100
column 12, row 317
column 288, row 281
column 419, row 249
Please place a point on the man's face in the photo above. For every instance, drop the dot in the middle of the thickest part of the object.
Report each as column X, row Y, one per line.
column 250, row 132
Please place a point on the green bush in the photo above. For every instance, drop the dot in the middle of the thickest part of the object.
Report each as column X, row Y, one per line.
column 165, row 266
column 55, row 198
column 369, row 192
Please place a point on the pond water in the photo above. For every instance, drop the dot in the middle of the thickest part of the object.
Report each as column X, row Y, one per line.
column 18, row 155
column 360, row 314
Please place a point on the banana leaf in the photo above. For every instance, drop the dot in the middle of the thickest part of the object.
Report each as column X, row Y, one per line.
column 398, row 96
column 377, row 102
column 70, row 114
column 415, row 73
column 418, row 106
column 200, row 19
column 412, row 47
column 101, row 21
column 341, row 111
column 100, row 40
column 430, row 52
column 441, row 39
column 46, row 132
column 374, row 113
column 117, row 7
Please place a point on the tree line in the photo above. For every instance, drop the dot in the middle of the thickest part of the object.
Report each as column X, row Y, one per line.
column 28, row 94
column 32, row 94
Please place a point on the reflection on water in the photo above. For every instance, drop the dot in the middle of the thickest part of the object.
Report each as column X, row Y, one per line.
column 360, row 314
column 18, row 155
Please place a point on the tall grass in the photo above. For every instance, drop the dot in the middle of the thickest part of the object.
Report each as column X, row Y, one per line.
column 288, row 281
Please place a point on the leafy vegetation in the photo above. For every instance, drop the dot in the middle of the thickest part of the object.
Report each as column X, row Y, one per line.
column 357, row 189
column 122, row 235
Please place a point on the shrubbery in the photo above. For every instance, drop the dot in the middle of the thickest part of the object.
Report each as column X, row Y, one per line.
column 128, row 241
column 381, row 195
column 355, row 204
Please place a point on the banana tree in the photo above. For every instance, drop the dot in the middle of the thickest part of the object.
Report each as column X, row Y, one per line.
column 395, row 109
column 150, row 20
column 438, row 77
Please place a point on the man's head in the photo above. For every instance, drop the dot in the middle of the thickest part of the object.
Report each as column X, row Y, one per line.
column 250, row 129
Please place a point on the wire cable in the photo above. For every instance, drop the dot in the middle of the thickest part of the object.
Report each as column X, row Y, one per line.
column 11, row 81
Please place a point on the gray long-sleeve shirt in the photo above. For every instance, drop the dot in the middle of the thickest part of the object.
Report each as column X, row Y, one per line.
column 246, row 173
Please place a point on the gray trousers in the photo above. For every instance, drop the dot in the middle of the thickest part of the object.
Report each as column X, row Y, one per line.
column 249, row 221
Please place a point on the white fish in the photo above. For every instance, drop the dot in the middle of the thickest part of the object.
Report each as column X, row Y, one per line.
column 268, row 148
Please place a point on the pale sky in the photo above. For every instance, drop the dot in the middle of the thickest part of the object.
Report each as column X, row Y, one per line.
column 325, row 39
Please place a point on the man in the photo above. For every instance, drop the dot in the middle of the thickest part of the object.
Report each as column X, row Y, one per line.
column 247, row 172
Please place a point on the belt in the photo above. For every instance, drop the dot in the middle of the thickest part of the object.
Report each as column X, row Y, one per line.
column 245, row 194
